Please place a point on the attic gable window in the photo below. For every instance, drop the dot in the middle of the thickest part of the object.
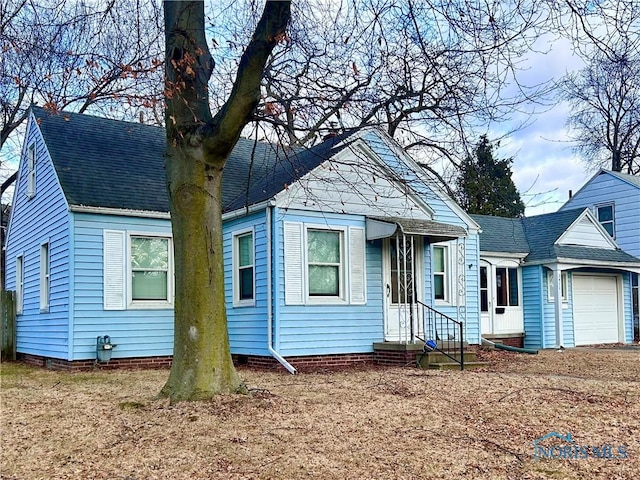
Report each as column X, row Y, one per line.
column 31, row 171
column 606, row 218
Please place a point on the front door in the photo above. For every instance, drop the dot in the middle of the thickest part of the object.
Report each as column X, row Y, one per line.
column 402, row 282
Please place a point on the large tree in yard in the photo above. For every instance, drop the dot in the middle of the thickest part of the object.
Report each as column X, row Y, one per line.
column 485, row 186
column 198, row 145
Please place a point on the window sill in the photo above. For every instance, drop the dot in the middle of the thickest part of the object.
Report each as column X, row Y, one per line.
column 244, row 303
column 149, row 305
column 325, row 301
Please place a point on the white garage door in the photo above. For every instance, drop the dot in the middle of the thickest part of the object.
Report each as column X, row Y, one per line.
column 595, row 309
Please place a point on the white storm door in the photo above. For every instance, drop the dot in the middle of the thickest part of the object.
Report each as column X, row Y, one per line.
column 402, row 280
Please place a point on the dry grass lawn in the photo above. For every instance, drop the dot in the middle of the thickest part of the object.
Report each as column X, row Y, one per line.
column 377, row 423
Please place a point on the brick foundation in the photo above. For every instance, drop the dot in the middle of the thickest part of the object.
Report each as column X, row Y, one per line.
column 511, row 340
column 303, row 364
column 311, row 363
column 395, row 357
column 83, row 365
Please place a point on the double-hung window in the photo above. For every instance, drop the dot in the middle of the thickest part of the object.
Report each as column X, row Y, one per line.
column 563, row 286
column 45, row 280
column 606, row 218
column 243, row 269
column 440, row 273
column 325, row 263
column 507, row 287
column 150, row 272
column 19, row 283
column 138, row 270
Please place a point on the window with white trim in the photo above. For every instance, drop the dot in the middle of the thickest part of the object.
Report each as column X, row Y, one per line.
column 45, row 280
column 243, row 269
column 606, row 218
column 484, row 289
column 550, row 287
column 19, row 283
column 324, row 264
column 441, row 273
column 137, row 269
column 150, row 269
column 31, row 171
column 507, row 287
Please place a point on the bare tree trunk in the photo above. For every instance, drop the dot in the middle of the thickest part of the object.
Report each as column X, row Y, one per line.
column 197, row 149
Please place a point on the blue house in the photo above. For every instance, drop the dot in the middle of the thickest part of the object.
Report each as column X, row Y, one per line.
column 328, row 250
column 554, row 280
column 614, row 199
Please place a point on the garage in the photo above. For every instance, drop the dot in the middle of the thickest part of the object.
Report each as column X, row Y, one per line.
column 595, row 309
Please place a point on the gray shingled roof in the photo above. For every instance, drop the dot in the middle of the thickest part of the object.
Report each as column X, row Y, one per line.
column 633, row 179
column 115, row 164
column 537, row 235
column 500, row 234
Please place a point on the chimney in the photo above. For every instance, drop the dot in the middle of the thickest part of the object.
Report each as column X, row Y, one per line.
column 570, row 194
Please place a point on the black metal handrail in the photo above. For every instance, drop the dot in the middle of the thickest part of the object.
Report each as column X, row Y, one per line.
column 444, row 334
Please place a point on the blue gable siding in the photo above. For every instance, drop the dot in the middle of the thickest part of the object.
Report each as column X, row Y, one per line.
column 445, row 214
column 327, row 329
column 34, row 221
column 137, row 332
column 607, row 188
column 247, row 325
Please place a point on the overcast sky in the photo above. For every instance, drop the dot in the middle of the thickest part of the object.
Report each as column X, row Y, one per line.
column 544, row 162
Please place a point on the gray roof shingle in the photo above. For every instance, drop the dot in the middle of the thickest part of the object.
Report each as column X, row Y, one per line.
column 500, row 234
column 115, row 164
column 537, row 235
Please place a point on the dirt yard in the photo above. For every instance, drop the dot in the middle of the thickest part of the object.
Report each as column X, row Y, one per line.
column 377, row 423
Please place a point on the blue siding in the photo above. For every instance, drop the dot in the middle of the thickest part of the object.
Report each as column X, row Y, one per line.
column 628, row 307
column 532, row 299
column 549, row 315
column 327, row 329
column 247, row 325
column 607, row 188
column 39, row 219
column 137, row 332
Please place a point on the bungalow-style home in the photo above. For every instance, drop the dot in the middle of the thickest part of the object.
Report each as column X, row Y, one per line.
column 328, row 251
column 614, row 199
column 554, row 280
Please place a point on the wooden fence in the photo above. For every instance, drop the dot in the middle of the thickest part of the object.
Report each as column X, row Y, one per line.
column 8, row 330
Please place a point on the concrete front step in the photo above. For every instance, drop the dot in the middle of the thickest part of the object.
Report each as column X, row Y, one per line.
column 438, row 360
column 439, row 357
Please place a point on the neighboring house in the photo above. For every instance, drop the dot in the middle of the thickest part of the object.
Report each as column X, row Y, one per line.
column 327, row 250
column 557, row 279
column 614, row 199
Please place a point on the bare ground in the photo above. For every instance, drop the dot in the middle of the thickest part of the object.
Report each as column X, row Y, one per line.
column 375, row 423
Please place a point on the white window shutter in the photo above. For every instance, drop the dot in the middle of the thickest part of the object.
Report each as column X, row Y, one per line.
column 357, row 266
column 114, row 270
column 293, row 264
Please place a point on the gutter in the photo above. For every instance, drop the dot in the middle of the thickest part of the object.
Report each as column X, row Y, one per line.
column 272, row 351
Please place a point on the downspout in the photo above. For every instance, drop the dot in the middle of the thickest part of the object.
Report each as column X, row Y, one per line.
column 272, row 351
